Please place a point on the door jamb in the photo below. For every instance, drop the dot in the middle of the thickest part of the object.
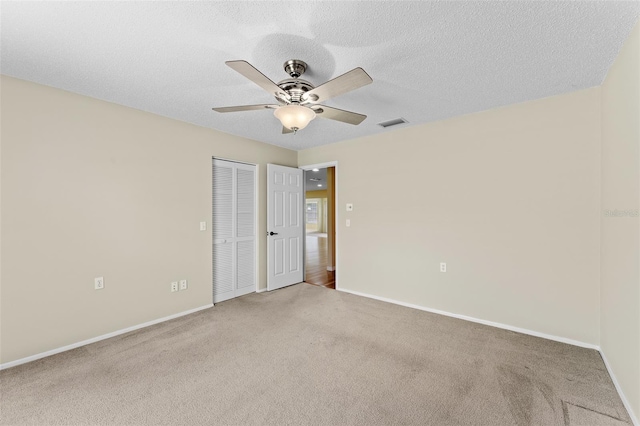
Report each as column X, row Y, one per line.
column 335, row 212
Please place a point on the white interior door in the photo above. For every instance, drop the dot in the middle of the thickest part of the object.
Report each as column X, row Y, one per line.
column 234, row 229
column 285, row 226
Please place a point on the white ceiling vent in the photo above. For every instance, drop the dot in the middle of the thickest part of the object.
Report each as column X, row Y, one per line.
column 393, row 122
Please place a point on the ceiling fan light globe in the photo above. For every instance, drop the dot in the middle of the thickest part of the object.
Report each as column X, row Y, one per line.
column 294, row 116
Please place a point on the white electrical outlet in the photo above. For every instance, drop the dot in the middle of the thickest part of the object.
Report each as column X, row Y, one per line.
column 174, row 286
column 443, row 267
column 203, row 226
column 98, row 283
column 183, row 285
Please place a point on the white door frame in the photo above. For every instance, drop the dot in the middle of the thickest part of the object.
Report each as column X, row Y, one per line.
column 335, row 208
column 256, row 224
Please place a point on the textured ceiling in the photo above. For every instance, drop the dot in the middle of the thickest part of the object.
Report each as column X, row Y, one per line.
column 428, row 60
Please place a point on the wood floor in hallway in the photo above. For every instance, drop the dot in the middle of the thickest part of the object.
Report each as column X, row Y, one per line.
column 316, row 262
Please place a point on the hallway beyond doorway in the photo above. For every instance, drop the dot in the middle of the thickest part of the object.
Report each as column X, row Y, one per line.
column 316, row 261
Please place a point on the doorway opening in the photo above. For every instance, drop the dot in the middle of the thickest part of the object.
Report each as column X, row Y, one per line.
column 319, row 209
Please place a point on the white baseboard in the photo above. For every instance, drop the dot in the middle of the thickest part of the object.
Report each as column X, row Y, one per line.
column 624, row 399
column 634, row 419
column 479, row 321
column 98, row 338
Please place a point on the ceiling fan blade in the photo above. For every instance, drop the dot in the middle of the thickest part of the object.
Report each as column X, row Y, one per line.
column 349, row 117
column 245, row 108
column 286, row 130
column 249, row 71
column 347, row 82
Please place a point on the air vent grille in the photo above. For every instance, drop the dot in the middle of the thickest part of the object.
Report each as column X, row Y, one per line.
column 393, row 122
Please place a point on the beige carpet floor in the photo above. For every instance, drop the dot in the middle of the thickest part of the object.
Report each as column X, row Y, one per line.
column 310, row 355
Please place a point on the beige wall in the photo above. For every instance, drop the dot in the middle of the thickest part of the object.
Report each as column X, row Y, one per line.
column 509, row 198
column 90, row 189
column 620, row 297
column 512, row 199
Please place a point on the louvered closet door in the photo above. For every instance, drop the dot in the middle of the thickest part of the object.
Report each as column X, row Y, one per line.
column 234, row 229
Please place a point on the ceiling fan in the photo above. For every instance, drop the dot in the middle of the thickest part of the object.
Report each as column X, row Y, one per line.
column 298, row 100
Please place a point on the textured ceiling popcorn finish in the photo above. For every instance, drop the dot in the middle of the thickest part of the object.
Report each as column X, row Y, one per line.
column 428, row 60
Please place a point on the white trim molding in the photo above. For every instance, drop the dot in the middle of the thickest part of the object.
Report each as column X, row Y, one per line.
column 624, row 399
column 319, row 165
column 479, row 321
column 98, row 338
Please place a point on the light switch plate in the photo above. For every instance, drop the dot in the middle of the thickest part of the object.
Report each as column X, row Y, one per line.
column 348, row 223
column 203, row 226
column 349, row 207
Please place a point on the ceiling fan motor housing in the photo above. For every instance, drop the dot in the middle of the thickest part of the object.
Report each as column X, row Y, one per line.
column 295, row 88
